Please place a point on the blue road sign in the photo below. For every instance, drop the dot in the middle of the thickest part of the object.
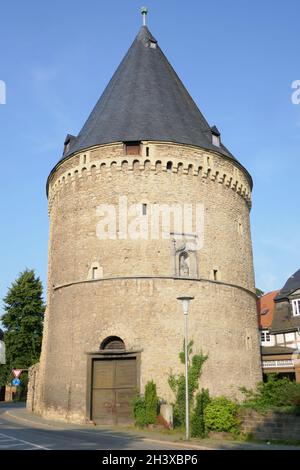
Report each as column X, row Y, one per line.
column 16, row 382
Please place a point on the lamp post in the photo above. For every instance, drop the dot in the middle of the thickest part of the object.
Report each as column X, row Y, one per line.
column 185, row 300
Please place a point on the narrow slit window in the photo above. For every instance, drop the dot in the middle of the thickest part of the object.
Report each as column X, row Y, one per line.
column 144, row 209
column 215, row 273
column 94, row 273
column 147, row 151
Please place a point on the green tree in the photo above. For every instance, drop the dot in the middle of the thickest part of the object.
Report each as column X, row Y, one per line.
column 23, row 322
column 259, row 292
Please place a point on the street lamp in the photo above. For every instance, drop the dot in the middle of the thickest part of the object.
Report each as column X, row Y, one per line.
column 185, row 300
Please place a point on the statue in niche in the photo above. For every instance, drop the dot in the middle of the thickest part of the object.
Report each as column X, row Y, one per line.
column 184, row 269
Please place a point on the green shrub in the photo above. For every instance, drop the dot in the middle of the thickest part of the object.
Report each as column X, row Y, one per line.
column 145, row 407
column 275, row 393
column 177, row 384
column 198, row 427
column 151, row 402
column 221, row 415
column 139, row 411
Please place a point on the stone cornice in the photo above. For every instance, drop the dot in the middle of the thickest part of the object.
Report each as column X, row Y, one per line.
column 171, row 278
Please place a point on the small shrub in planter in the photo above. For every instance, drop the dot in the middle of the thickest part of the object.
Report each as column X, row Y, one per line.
column 221, row 415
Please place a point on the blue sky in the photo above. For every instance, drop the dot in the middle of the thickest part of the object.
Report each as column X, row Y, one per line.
column 238, row 59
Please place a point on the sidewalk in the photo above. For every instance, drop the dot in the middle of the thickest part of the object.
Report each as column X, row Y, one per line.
column 18, row 413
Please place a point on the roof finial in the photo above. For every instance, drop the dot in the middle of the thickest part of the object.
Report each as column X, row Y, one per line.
column 144, row 11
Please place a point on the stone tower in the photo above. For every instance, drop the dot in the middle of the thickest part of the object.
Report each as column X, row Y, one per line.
column 146, row 204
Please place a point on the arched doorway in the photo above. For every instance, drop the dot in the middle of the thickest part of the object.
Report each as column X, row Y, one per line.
column 114, row 382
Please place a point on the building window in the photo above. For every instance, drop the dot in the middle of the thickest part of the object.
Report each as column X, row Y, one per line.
column 289, row 337
column 216, row 140
column 280, row 339
column 147, row 151
column 66, row 146
column 265, row 337
column 95, row 273
column 169, row 166
column 215, row 136
column 133, row 148
column 144, row 209
column 296, row 307
column 215, row 274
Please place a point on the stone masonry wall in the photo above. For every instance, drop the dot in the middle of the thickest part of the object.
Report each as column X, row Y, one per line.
column 276, row 426
column 135, row 296
column 74, row 198
column 33, row 398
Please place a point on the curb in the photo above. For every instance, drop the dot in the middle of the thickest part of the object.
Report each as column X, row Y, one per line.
column 32, row 422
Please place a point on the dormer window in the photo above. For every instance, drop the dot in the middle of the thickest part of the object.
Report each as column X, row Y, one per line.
column 67, row 143
column 216, row 140
column 215, row 136
column 132, row 148
column 153, row 45
column 296, row 307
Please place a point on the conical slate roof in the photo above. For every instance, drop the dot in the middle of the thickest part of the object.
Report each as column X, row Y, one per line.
column 145, row 100
column 291, row 285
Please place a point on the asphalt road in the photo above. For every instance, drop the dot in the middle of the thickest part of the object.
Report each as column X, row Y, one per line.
column 18, row 434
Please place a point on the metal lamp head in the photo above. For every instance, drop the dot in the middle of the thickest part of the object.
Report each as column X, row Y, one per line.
column 185, row 303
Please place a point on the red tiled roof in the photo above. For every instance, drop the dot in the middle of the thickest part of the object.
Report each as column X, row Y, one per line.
column 265, row 309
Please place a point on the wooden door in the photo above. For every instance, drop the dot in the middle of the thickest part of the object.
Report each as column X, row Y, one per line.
column 113, row 389
column 125, row 387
